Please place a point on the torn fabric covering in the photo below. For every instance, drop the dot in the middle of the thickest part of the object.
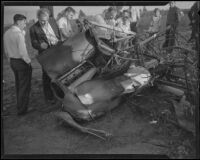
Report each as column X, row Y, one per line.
column 86, row 99
column 139, row 77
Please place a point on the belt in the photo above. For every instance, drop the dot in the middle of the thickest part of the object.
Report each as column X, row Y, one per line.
column 16, row 58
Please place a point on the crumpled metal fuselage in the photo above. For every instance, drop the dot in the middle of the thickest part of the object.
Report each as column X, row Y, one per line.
column 86, row 98
column 72, row 67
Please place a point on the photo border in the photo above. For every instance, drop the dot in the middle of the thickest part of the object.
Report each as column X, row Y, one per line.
column 79, row 156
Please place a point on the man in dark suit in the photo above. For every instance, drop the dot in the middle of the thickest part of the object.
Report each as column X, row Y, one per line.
column 194, row 19
column 44, row 34
column 173, row 18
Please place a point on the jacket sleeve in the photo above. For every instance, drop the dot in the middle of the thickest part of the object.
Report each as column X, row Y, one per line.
column 35, row 43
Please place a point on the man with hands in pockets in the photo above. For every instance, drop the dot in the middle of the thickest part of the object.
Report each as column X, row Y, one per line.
column 20, row 62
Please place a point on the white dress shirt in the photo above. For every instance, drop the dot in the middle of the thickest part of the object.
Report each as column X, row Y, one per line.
column 14, row 44
column 51, row 37
column 63, row 23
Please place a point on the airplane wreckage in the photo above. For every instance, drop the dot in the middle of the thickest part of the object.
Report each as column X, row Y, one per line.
column 91, row 71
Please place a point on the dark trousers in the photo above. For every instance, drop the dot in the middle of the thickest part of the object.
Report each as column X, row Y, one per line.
column 23, row 75
column 48, row 93
column 133, row 27
column 170, row 37
column 194, row 31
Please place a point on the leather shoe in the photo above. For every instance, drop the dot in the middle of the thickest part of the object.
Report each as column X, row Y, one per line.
column 30, row 109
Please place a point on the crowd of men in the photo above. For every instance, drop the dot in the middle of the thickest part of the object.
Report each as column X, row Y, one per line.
column 47, row 32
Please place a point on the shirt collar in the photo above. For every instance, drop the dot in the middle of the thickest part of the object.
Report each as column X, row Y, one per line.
column 16, row 28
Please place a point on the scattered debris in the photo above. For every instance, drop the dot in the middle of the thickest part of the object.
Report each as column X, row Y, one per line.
column 172, row 90
column 153, row 122
column 182, row 109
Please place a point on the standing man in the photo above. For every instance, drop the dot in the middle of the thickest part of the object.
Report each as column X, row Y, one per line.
column 64, row 23
column 108, row 17
column 124, row 23
column 194, row 19
column 135, row 15
column 173, row 17
column 44, row 34
column 16, row 52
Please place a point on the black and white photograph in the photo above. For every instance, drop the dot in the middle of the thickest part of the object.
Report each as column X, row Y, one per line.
column 100, row 79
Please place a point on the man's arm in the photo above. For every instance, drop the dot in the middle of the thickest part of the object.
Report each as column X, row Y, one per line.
column 5, row 49
column 99, row 19
column 22, row 49
column 6, row 53
column 64, row 33
column 34, row 41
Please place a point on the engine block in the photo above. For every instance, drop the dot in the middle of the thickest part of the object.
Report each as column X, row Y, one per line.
column 75, row 73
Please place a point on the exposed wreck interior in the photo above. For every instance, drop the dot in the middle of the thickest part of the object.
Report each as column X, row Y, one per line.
column 92, row 54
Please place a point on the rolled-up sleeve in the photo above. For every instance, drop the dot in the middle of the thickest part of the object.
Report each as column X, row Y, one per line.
column 62, row 23
column 22, row 48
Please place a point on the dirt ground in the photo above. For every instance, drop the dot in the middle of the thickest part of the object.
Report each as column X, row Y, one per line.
column 39, row 132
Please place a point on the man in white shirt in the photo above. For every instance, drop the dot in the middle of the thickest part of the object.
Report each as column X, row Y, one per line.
column 64, row 23
column 16, row 52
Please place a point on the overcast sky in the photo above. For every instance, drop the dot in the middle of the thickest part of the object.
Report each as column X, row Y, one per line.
column 30, row 11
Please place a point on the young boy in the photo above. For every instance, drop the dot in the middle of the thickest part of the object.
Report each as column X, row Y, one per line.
column 156, row 22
